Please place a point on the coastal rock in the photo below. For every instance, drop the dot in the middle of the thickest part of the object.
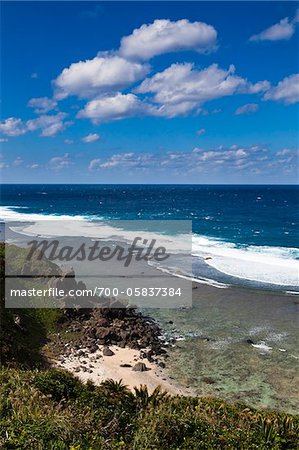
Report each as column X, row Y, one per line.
column 93, row 348
column 140, row 367
column 108, row 352
column 102, row 323
column 102, row 333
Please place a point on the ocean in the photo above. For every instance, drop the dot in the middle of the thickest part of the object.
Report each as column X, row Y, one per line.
column 239, row 341
column 242, row 235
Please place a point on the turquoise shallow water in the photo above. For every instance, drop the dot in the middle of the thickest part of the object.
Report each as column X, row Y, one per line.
column 237, row 344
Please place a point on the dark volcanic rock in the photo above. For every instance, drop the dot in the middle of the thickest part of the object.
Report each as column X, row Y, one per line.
column 140, row 367
column 113, row 323
column 102, row 322
column 108, row 352
column 103, row 333
column 93, row 348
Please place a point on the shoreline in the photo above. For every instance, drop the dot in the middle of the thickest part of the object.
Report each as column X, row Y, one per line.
column 119, row 367
column 238, row 344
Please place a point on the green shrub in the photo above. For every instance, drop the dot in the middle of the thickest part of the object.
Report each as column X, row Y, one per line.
column 60, row 384
column 53, row 410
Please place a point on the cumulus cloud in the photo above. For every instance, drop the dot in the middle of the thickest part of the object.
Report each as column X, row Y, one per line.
column 287, row 90
column 49, row 125
column 92, row 137
column 60, row 162
column 181, row 88
column 42, row 105
column 68, row 141
column 12, row 127
column 97, row 76
column 164, row 36
column 114, row 107
column 282, row 30
column 249, row 108
column 201, row 131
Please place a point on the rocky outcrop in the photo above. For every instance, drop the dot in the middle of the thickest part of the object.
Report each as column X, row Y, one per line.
column 123, row 327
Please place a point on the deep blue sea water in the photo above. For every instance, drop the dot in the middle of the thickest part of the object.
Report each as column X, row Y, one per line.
column 230, row 223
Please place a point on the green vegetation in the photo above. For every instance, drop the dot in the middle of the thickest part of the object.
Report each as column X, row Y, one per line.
column 54, row 410
column 43, row 409
column 24, row 332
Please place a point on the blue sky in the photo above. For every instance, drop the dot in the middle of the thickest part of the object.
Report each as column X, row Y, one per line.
column 149, row 92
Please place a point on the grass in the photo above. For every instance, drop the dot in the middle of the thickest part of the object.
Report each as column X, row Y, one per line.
column 54, row 410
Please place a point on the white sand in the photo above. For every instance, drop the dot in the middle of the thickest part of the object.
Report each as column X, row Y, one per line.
column 105, row 367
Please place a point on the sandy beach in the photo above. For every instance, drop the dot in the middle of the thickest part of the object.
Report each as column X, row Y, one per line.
column 98, row 368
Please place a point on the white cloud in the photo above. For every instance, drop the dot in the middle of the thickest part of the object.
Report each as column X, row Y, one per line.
column 164, row 36
column 181, row 88
column 97, row 76
column 125, row 160
column 3, row 140
column 60, row 162
column 280, row 31
column 94, row 164
column 3, row 165
column 42, row 105
column 260, row 86
column 12, row 127
column 201, row 131
column 92, row 137
column 108, row 108
column 33, row 166
column 68, row 141
column 49, row 125
column 18, row 162
column 249, row 108
column 235, row 158
column 283, row 152
column 287, row 90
